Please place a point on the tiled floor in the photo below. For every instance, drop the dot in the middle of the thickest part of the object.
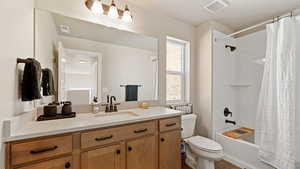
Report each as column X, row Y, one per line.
column 219, row 165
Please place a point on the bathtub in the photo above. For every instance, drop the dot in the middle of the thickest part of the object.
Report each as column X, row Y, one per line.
column 241, row 152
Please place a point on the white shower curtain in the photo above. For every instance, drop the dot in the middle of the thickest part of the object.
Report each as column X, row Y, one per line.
column 275, row 129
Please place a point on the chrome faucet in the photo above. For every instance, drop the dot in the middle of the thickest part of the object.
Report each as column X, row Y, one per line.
column 110, row 106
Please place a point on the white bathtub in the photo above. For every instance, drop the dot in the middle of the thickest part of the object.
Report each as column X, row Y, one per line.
column 241, row 153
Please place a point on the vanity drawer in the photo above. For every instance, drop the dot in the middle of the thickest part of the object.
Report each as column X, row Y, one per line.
column 169, row 124
column 111, row 135
column 140, row 129
column 100, row 137
column 39, row 149
column 60, row 163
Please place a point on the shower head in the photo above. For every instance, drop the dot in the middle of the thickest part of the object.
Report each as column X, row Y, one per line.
column 232, row 48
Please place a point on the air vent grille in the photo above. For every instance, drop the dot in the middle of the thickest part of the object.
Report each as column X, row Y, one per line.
column 216, row 5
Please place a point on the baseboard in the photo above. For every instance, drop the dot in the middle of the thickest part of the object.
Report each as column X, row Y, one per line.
column 244, row 165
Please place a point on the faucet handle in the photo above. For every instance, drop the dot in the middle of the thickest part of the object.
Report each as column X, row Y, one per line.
column 115, row 107
column 106, row 106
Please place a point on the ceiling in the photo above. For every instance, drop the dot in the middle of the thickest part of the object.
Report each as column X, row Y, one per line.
column 239, row 14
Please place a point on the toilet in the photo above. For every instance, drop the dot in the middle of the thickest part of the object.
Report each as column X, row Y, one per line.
column 201, row 152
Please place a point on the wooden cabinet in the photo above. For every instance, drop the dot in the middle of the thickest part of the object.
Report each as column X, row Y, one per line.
column 169, row 124
column 169, row 150
column 61, row 163
column 152, row 144
column 103, row 158
column 141, row 153
column 33, row 150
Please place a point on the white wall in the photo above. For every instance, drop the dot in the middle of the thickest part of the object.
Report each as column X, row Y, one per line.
column 224, row 91
column 121, row 65
column 16, row 41
column 45, row 39
column 204, row 76
column 250, row 50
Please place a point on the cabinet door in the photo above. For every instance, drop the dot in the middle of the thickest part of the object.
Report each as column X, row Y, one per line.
column 141, row 153
column 61, row 163
column 169, row 150
column 102, row 158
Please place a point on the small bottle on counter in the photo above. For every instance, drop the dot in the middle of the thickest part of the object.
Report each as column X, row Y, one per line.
column 95, row 105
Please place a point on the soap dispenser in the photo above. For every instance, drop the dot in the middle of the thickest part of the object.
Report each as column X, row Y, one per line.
column 95, row 105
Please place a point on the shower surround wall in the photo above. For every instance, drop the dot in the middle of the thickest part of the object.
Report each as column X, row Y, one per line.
column 237, row 80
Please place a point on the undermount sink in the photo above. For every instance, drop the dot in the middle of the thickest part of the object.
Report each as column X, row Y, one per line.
column 129, row 113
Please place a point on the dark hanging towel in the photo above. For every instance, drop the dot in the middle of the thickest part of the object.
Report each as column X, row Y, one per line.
column 47, row 82
column 131, row 92
column 31, row 81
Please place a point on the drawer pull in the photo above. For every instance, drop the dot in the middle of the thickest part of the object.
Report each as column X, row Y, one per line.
column 129, row 148
column 118, row 151
column 171, row 124
column 43, row 150
column 162, row 139
column 104, row 138
column 140, row 131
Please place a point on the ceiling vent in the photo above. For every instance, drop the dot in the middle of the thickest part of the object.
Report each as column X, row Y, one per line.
column 216, row 5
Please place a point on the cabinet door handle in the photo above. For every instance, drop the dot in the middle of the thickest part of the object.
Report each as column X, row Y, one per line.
column 140, row 131
column 129, row 148
column 68, row 165
column 170, row 124
column 104, row 138
column 43, row 150
column 118, row 151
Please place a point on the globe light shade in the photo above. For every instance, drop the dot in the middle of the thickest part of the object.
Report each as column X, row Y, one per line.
column 113, row 11
column 127, row 16
column 97, row 7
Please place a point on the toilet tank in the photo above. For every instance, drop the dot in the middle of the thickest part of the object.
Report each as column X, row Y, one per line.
column 188, row 123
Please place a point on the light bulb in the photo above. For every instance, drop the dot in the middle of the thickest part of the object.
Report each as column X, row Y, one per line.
column 113, row 11
column 97, row 7
column 127, row 15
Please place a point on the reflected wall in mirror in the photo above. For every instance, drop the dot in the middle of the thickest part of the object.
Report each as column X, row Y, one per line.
column 91, row 60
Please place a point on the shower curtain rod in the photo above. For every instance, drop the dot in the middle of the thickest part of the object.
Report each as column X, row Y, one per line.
column 294, row 13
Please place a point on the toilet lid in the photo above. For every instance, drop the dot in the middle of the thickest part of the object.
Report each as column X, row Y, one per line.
column 204, row 143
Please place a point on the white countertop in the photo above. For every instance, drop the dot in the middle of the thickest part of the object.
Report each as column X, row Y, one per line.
column 83, row 121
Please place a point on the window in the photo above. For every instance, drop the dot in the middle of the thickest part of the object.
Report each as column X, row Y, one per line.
column 177, row 70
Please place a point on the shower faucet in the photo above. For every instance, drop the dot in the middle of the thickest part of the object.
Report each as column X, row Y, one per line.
column 230, row 121
column 227, row 112
column 232, row 48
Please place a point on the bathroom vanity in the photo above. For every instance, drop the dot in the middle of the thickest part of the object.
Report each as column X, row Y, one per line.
column 148, row 139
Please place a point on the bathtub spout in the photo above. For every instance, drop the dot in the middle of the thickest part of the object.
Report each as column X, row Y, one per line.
column 229, row 121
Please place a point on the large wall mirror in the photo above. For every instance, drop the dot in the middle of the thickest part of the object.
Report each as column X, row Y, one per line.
column 90, row 60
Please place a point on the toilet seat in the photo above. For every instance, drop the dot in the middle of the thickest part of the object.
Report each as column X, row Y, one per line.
column 204, row 144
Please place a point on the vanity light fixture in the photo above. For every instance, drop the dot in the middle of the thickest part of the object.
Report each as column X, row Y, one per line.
column 127, row 15
column 113, row 11
column 99, row 8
